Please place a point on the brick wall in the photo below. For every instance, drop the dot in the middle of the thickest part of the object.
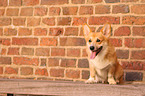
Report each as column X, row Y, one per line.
column 43, row 39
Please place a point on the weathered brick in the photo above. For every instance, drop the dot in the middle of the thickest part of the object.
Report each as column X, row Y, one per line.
column 94, row 1
column 64, row 21
column 138, row 9
column 5, row 60
column 54, row 11
column 129, row 0
column 102, row 9
column 30, row 2
column 122, row 54
column 103, row 19
column 79, row 21
column 57, row 52
column 5, row 21
column 71, row 31
column 2, row 11
column 42, row 52
column 19, row 21
column 133, row 76
column 10, row 70
column 27, row 51
column 15, row 2
column 133, row 20
column 28, row 11
column 49, row 21
column 3, row 3
column 25, row 61
column 48, row 42
column 71, row 52
column 12, row 12
column 72, row 42
column 55, row 31
column 42, row 72
column 83, row 63
column 24, row 32
column 122, row 31
column 3, row 51
column 1, row 70
column 116, row 42
column 78, row 1
column 13, row 51
column 135, row 43
column 70, row 73
column 6, row 42
column 54, row 72
column 85, row 74
column 40, row 31
column 68, row 63
column 26, row 71
column 138, row 54
column 86, row 10
column 33, row 21
column 1, row 32
column 70, row 10
column 112, row 1
column 120, row 9
column 84, row 53
column 24, row 41
column 43, row 62
column 138, row 31
column 53, row 62
column 10, row 32
column 40, row 11
column 54, row 2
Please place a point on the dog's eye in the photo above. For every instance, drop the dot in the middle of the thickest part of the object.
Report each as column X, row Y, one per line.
column 98, row 40
column 90, row 40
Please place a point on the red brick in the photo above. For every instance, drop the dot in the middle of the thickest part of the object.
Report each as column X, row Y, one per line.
column 72, row 42
column 2, row 11
column 122, row 54
column 116, row 42
column 24, row 32
column 142, row 0
column 5, row 60
column 3, row 51
column 64, row 21
column 15, row 2
column 68, row 63
column 42, row 72
column 71, row 31
column 43, row 62
column 83, row 63
column 56, row 72
column 40, row 31
column 26, row 71
column 10, row 70
column 102, row 9
column 133, row 20
column 40, row 11
column 42, row 51
column 75, row 74
column 12, row 12
column 33, row 21
column 86, row 10
column 73, row 52
column 138, row 9
column 49, row 21
column 53, row 62
column 79, row 21
column 13, row 51
column 54, row 2
column 3, row 3
column 103, row 19
column 85, row 74
column 138, row 31
column 1, row 32
column 6, row 42
column 70, row 10
column 24, row 41
column 129, row 0
column 135, row 43
column 19, row 21
column 27, row 51
column 5, row 21
column 138, row 54
column 122, row 31
column 30, row 2
column 48, row 42
column 55, row 31
column 94, row 1
column 84, row 53
column 10, row 32
column 120, row 9
column 78, row 1
column 1, row 70
column 54, row 11
column 112, row 1
column 57, row 52
column 25, row 61
column 28, row 11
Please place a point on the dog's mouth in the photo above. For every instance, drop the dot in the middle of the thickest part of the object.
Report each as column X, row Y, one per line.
column 94, row 53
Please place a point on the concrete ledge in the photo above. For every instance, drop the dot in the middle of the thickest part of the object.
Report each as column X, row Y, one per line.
column 68, row 88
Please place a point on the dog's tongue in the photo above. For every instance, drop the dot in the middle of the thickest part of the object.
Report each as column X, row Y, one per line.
column 93, row 55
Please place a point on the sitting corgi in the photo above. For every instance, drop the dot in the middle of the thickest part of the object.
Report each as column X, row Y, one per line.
column 103, row 63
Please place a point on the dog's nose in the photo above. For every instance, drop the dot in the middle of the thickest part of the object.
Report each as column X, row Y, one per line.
column 91, row 47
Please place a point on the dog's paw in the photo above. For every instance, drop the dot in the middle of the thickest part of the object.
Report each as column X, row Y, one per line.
column 90, row 81
column 112, row 81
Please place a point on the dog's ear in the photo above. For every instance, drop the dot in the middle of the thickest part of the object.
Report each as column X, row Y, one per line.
column 106, row 30
column 86, row 30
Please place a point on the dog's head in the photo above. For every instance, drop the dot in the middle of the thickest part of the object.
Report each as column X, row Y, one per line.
column 96, row 41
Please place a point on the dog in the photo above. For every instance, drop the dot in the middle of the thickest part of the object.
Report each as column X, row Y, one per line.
column 103, row 63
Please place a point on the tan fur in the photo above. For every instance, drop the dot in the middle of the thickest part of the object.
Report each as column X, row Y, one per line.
column 105, row 66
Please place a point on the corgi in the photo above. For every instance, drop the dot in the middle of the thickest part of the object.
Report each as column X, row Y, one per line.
column 103, row 63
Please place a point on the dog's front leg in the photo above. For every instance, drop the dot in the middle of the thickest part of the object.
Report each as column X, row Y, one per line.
column 111, row 72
